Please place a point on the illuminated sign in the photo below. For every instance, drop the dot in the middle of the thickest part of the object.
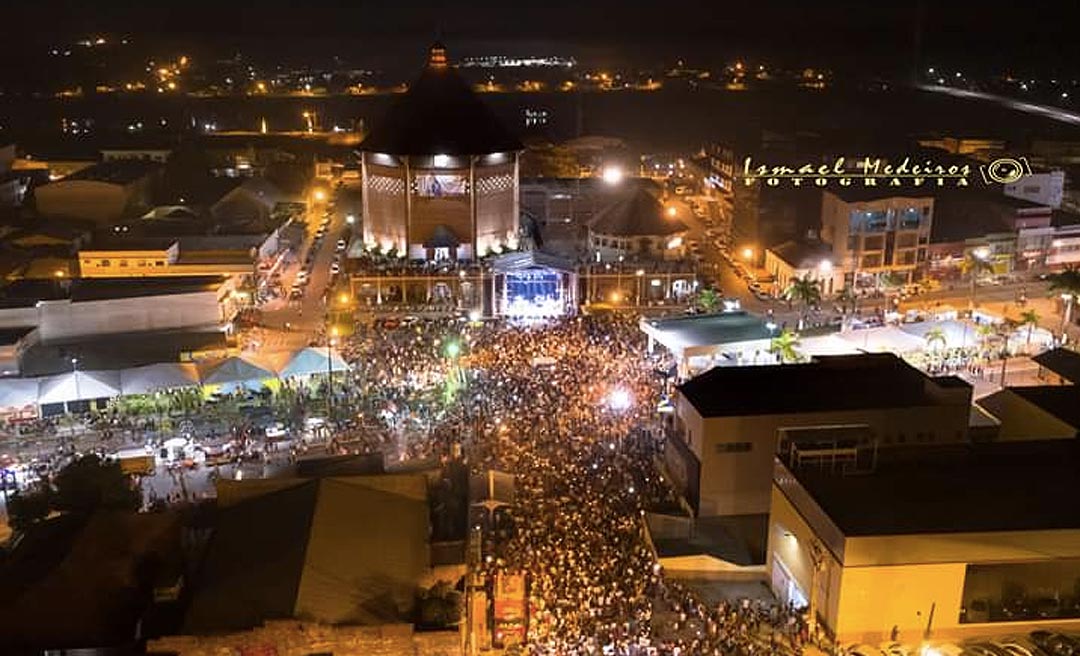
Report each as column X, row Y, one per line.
column 438, row 185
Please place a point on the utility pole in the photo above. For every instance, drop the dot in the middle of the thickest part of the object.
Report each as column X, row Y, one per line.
column 817, row 561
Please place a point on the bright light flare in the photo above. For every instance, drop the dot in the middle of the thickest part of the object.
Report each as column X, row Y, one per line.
column 619, row 400
column 612, row 175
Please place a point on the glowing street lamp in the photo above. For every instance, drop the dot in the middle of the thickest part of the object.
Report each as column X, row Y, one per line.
column 825, row 266
column 350, row 219
column 672, row 211
column 748, row 253
column 612, row 175
column 453, row 349
column 319, row 195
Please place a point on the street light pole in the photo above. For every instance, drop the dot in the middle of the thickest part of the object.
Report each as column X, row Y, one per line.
column 817, row 561
column 75, row 375
column 330, row 378
column 1068, row 298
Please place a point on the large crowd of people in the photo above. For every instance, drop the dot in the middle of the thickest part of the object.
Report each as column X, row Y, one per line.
column 569, row 408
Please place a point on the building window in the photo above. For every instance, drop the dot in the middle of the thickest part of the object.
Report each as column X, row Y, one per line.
column 873, row 243
column 106, row 263
column 161, row 262
column 733, row 447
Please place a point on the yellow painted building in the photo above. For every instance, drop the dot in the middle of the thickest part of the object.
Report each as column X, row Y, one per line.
column 954, row 543
column 162, row 260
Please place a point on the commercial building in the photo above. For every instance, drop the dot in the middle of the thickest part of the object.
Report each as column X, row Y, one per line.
column 731, row 421
column 146, row 154
column 341, row 557
column 69, row 310
column 226, row 256
column 967, row 220
column 938, row 543
column 1044, row 188
column 103, row 193
column 803, row 259
column 440, row 173
column 877, row 233
column 1034, row 412
column 636, row 226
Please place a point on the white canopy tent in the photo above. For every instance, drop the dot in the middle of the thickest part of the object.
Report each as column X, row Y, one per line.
column 1023, row 341
column 825, row 345
column 957, row 333
column 78, row 386
column 312, row 360
column 234, row 373
column 156, row 377
column 18, row 392
column 888, row 339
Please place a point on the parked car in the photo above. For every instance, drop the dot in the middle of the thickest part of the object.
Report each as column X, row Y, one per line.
column 1054, row 644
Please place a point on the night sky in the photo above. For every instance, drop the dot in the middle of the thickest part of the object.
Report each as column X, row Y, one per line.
column 867, row 36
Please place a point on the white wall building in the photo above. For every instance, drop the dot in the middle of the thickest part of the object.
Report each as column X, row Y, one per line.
column 1042, row 188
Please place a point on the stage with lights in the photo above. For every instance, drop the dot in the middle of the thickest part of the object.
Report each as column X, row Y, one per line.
column 533, row 285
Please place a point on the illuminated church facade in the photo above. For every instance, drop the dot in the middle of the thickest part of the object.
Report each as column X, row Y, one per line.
column 440, row 173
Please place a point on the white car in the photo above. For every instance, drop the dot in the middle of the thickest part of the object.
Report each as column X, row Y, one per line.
column 335, row 267
column 341, row 244
column 276, row 430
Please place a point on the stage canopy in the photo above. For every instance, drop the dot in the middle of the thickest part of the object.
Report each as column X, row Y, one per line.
column 156, row 377
column 78, row 386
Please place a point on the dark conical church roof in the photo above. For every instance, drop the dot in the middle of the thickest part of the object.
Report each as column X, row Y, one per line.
column 439, row 115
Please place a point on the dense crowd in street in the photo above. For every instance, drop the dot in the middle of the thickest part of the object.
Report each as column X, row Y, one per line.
column 568, row 408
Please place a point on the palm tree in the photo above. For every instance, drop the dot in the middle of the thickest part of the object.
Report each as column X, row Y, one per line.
column 892, row 279
column 784, row 345
column 1030, row 319
column 708, row 300
column 1067, row 283
column 847, row 298
column 934, row 336
column 806, row 290
column 985, row 331
column 976, row 263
